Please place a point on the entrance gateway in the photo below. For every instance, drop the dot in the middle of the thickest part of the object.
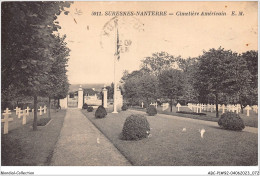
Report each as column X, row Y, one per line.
column 77, row 100
column 73, row 101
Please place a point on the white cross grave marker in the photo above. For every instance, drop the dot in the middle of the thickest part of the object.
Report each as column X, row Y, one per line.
column 236, row 108
column 197, row 107
column 44, row 109
column 27, row 110
column 223, row 109
column 255, row 109
column 40, row 110
column 16, row 110
column 165, row 106
column 233, row 108
column 24, row 117
column 190, row 106
column 20, row 113
column 247, row 110
column 178, row 106
column 6, row 120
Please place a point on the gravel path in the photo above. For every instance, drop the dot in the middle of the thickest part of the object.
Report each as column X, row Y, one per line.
column 82, row 144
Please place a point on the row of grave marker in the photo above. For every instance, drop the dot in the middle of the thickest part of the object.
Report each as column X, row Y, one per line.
column 210, row 107
column 18, row 111
column 223, row 108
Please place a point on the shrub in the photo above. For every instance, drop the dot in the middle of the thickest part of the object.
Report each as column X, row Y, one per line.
column 151, row 110
column 85, row 106
column 90, row 109
column 43, row 121
column 124, row 107
column 231, row 121
column 100, row 112
column 136, row 127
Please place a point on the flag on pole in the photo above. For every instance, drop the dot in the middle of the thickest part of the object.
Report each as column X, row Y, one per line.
column 117, row 45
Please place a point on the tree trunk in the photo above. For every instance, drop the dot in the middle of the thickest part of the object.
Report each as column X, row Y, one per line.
column 241, row 105
column 171, row 104
column 217, row 105
column 35, row 113
column 147, row 102
column 49, row 108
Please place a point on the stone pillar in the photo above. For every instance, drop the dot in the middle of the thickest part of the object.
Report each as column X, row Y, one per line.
column 105, row 97
column 80, row 97
column 119, row 99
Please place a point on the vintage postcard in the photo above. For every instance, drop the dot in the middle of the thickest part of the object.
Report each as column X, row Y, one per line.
column 129, row 83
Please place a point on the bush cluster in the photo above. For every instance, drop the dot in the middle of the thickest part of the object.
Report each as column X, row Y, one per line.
column 90, row 109
column 151, row 110
column 85, row 106
column 231, row 121
column 43, row 121
column 124, row 107
column 100, row 112
column 136, row 127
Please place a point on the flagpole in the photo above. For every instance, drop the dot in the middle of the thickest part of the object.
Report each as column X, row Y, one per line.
column 116, row 56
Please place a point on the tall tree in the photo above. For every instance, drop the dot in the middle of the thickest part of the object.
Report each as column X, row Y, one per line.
column 27, row 29
column 158, row 62
column 212, row 75
column 188, row 66
column 251, row 58
column 57, row 84
column 171, row 84
column 239, row 82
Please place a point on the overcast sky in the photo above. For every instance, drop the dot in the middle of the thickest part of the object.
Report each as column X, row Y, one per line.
column 92, row 53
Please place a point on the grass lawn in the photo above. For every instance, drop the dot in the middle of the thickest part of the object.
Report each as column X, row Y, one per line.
column 24, row 147
column 251, row 121
column 170, row 146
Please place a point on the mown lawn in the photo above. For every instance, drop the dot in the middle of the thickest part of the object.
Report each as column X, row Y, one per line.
column 24, row 147
column 170, row 146
column 251, row 121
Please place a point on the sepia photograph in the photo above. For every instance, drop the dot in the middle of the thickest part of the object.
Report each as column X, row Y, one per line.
column 129, row 83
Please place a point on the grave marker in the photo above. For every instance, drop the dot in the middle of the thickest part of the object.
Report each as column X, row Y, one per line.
column 44, row 109
column 27, row 110
column 165, row 106
column 6, row 120
column 142, row 104
column 233, row 108
column 223, row 109
column 197, row 108
column 19, row 113
column 16, row 110
column 24, row 116
column 247, row 108
column 178, row 106
column 255, row 109
column 40, row 110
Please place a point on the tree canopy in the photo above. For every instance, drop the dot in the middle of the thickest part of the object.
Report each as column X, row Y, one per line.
column 33, row 58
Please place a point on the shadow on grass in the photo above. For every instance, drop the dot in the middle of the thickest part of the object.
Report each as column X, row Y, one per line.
column 25, row 147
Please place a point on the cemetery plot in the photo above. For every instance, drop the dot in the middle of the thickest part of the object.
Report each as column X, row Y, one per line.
column 23, row 117
column 180, row 142
column 209, row 112
column 24, row 147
